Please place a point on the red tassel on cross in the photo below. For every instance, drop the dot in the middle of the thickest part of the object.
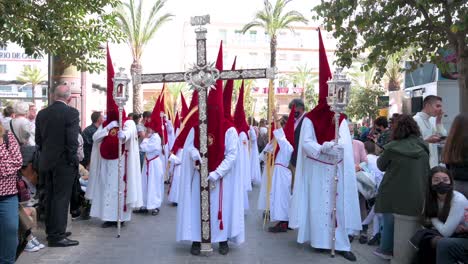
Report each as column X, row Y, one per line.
column 221, row 226
column 220, row 215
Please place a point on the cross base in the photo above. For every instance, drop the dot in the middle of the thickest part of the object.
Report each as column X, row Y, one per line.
column 206, row 249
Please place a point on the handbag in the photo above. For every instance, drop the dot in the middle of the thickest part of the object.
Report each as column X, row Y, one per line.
column 23, row 192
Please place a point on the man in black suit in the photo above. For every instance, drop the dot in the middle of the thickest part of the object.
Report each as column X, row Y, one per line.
column 298, row 117
column 57, row 128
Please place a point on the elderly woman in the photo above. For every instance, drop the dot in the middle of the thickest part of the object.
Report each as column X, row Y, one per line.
column 10, row 163
column 401, row 195
column 20, row 126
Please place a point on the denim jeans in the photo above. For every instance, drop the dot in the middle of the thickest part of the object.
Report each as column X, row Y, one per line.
column 386, row 240
column 8, row 228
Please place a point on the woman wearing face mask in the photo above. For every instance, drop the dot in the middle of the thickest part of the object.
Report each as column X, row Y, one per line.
column 444, row 211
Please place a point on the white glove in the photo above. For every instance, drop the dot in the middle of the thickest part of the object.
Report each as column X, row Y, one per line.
column 213, row 176
column 327, row 146
column 195, row 155
column 121, row 135
column 337, row 151
column 111, row 125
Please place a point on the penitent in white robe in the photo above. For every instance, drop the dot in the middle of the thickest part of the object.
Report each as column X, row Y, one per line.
column 311, row 206
column 173, row 192
column 280, row 193
column 103, row 177
column 188, row 210
column 244, row 167
column 152, row 173
column 255, row 171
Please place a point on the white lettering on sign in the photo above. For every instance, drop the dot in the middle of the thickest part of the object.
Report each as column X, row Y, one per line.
column 17, row 56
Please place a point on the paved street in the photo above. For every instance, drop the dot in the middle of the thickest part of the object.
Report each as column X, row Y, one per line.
column 151, row 239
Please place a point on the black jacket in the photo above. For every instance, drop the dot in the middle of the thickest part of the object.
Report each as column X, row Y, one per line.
column 57, row 128
column 297, row 134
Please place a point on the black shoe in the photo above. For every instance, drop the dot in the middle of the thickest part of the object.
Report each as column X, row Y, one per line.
column 351, row 238
column 363, row 239
column 107, row 224
column 67, row 234
column 278, row 228
column 223, row 248
column 375, row 240
column 347, row 255
column 174, row 204
column 195, row 249
column 155, row 211
column 141, row 211
column 65, row 242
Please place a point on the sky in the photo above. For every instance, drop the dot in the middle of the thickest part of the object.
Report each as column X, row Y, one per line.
column 163, row 53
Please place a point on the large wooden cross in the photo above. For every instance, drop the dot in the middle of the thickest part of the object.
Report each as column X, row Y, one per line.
column 201, row 77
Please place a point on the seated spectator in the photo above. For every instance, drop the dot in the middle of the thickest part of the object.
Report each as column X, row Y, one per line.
column 444, row 209
column 455, row 153
column 29, row 174
column 372, row 168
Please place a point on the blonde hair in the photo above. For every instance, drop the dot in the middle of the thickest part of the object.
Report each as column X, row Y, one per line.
column 21, row 108
column 2, row 130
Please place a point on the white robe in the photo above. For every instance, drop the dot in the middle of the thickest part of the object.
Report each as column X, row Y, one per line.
column 244, row 163
column 280, row 193
column 428, row 127
column 188, row 210
column 152, row 173
column 311, row 206
column 255, row 171
column 176, row 168
column 103, row 175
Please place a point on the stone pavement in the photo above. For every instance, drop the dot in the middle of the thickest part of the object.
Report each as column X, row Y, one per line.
column 151, row 239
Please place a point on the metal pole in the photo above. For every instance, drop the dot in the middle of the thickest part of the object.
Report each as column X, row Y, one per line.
column 335, row 186
column 119, row 188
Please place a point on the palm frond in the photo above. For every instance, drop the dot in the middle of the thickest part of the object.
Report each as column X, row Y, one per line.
column 157, row 24
column 251, row 25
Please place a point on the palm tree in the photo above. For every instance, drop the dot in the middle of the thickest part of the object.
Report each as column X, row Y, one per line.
column 302, row 77
column 174, row 90
column 273, row 19
column 138, row 33
column 33, row 76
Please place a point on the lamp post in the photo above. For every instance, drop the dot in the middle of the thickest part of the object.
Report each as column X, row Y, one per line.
column 120, row 95
column 338, row 98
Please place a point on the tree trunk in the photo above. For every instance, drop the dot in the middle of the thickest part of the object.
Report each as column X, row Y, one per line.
column 33, row 89
column 462, row 81
column 271, row 88
column 135, row 70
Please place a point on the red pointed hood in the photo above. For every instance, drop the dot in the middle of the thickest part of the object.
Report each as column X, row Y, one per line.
column 177, row 121
column 239, row 114
column 155, row 121
column 184, row 111
column 191, row 122
column 216, row 131
column 111, row 107
column 109, row 147
column 289, row 126
column 321, row 116
column 227, row 95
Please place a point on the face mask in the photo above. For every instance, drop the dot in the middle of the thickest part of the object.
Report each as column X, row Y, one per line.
column 296, row 114
column 442, row 188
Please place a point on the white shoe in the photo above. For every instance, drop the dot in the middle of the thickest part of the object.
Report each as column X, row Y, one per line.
column 37, row 243
column 31, row 247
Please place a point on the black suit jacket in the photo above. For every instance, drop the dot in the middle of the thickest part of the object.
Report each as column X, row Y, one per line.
column 57, row 128
column 297, row 134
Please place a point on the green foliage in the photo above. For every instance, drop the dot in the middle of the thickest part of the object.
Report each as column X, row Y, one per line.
column 311, row 97
column 139, row 32
column 273, row 19
column 304, row 77
column 31, row 75
column 390, row 26
column 73, row 30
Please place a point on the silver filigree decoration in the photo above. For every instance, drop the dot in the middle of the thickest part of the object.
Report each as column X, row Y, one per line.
column 202, row 77
column 174, row 77
column 201, row 50
column 255, row 73
column 152, row 78
column 271, row 73
column 206, row 229
column 205, row 204
column 230, row 75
